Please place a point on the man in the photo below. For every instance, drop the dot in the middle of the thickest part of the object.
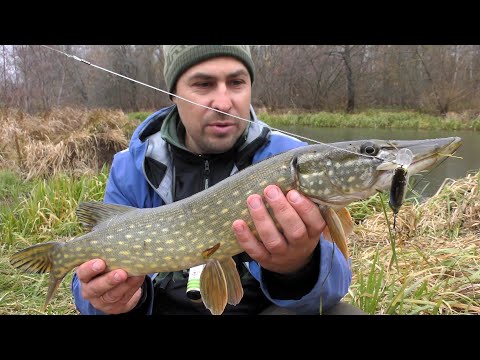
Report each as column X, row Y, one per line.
column 183, row 149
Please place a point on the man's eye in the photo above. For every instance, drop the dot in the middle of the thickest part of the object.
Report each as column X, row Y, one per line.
column 202, row 84
column 237, row 82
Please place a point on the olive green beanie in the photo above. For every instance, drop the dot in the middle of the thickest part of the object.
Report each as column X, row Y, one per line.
column 179, row 58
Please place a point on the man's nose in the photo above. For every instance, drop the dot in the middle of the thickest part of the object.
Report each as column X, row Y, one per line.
column 222, row 100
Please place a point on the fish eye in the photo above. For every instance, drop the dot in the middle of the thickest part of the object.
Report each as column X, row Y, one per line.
column 369, row 148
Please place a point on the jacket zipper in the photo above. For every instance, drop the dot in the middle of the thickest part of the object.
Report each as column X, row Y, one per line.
column 206, row 173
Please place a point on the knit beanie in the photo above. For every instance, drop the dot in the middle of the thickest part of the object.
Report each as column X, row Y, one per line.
column 179, row 58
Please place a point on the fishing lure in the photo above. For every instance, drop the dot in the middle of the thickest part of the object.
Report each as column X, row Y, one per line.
column 398, row 190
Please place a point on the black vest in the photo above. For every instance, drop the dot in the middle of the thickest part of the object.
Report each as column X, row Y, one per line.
column 192, row 174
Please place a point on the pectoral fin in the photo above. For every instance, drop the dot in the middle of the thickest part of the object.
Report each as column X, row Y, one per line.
column 336, row 228
column 213, row 287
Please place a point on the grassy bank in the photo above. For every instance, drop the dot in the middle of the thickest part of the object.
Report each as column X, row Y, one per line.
column 436, row 245
column 36, row 211
column 375, row 119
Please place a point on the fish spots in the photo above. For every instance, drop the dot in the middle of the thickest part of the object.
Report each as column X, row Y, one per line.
column 93, row 242
column 201, row 222
column 194, row 240
column 219, row 202
column 169, row 242
column 78, row 248
column 128, row 236
column 337, row 165
column 153, row 233
column 244, row 212
column 167, row 258
column 263, row 183
column 108, row 249
column 137, row 246
column 182, row 248
column 236, row 193
column 124, row 252
column 164, row 230
column 149, row 253
column 350, row 179
column 147, row 241
column 159, row 249
column 330, row 172
column 121, row 243
column 224, row 211
column 209, row 232
column 238, row 202
column 109, row 236
column 188, row 234
column 148, row 226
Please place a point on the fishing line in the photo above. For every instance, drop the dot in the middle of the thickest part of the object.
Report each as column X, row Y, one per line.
column 204, row 106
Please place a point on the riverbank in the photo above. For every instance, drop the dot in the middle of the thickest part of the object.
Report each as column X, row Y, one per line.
column 376, row 119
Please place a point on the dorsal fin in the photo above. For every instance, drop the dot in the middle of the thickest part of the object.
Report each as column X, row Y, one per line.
column 93, row 213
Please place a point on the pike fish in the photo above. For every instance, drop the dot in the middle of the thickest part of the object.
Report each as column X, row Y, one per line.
column 198, row 230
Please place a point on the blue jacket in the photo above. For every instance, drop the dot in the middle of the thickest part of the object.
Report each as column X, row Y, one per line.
column 128, row 185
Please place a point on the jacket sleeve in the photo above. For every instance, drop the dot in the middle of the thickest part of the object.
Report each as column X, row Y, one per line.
column 334, row 278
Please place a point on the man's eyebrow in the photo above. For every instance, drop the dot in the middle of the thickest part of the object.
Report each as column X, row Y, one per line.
column 206, row 76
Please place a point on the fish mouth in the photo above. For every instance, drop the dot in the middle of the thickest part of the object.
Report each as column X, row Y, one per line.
column 426, row 153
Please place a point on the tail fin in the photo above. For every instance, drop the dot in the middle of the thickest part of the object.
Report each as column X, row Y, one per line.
column 39, row 259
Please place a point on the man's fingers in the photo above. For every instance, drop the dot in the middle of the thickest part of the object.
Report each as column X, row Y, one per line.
column 103, row 283
column 124, row 292
column 249, row 242
column 267, row 231
column 308, row 212
column 88, row 270
column 291, row 223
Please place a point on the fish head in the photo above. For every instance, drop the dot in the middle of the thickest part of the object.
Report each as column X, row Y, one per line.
column 340, row 173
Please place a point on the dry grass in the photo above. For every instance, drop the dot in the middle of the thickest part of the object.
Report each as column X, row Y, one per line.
column 67, row 141
column 437, row 245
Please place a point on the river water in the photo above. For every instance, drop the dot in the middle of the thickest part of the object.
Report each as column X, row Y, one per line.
column 426, row 184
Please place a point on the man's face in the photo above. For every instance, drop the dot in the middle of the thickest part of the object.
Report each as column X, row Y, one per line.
column 221, row 83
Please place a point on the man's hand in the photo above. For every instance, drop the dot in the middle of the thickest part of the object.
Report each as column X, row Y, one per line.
column 289, row 249
column 112, row 292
